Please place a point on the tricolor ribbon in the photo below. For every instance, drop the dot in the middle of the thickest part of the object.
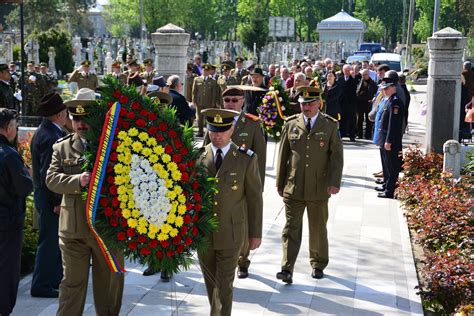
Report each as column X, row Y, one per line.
column 278, row 104
column 98, row 174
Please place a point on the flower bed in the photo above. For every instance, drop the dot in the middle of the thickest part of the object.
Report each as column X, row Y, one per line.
column 440, row 217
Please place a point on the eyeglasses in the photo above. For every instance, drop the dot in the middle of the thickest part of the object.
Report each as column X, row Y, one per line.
column 233, row 100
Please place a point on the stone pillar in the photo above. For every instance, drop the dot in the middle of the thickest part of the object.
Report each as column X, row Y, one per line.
column 171, row 47
column 446, row 49
column 452, row 157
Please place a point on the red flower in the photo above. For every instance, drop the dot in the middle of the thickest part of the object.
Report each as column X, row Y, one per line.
column 110, row 104
column 168, row 149
column 110, row 180
column 197, row 207
column 182, row 167
column 123, row 112
column 144, row 112
column 130, row 232
column 177, row 143
column 103, row 190
column 191, row 163
column 141, row 239
column 118, row 213
column 152, row 116
column 152, row 130
column 170, row 253
column 195, row 218
column 180, row 249
column 124, row 223
column 115, row 202
column 125, row 125
column 164, row 243
column 184, row 177
column 153, row 243
column 123, row 99
column 145, row 251
column 187, row 219
column 194, row 231
column 113, row 190
column 113, row 156
column 162, row 126
column 108, row 211
column 116, row 94
column 188, row 241
column 115, row 143
column 121, row 236
column 159, row 255
column 160, row 138
column 103, row 202
column 176, row 158
column 172, row 134
column 140, row 122
column 132, row 245
column 177, row 240
column 135, row 106
column 131, row 115
column 183, row 151
column 110, row 169
column 184, row 230
column 113, row 222
column 189, row 206
column 197, row 196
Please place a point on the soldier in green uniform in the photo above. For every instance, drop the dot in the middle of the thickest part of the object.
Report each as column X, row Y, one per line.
column 238, row 182
column 78, row 244
column 149, row 72
column 226, row 79
column 51, row 82
column 83, row 77
column 7, row 99
column 189, row 81
column 35, row 89
column 309, row 171
column 205, row 90
column 117, row 73
column 239, row 72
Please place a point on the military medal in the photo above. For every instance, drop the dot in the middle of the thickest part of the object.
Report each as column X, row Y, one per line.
column 234, row 186
column 321, row 143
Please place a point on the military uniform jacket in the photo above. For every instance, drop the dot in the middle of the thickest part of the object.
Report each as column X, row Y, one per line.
column 63, row 178
column 206, row 92
column 84, row 81
column 238, row 74
column 390, row 123
column 224, row 81
column 311, row 162
column 7, row 100
column 240, row 190
column 148, row 76
column 189, row 86
column 249, row 134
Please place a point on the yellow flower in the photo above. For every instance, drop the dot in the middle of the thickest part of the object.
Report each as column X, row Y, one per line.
column 128, row 141
column 172, row 166
column 126, row 214
column 163, row 174
column 120, row 148
column 174, row 205
column 171, row 195
column 151, row 142
column 143, row 136
column 152, row 228
column 158, row 150
column 118, row 168
column 264, row 101
column 177, row 189
column 123, row 205
column 132, row 222
column 136, row 213
column 181, row 209
column 181, row 199
column 162, row 236
column 168, row 183
column 174, row 232
column 166, row 158
column 178, row 221
column 133, row 132
column 122, row 135
column 165, row 229
column 146, row 152
column 127, row 159
column 151, row 235
column 119, row 180
column 131, row 204
column 142, row 222
column 122, row 190
column 176, row 175
column 170, row 218
column 142, row 230
column 153, row 158
column 137, row 146
column 123, row 198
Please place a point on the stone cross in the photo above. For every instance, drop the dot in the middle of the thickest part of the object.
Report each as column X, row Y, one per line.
column 51, row 61
column 452, row 157
column 108, row 63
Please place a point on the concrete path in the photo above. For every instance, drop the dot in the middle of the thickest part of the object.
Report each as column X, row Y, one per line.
column 371, row 269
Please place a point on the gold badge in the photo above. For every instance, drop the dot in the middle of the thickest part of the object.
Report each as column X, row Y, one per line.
column 395, row 110
column 305, row 93
column 235, row 187
column 80, row 109
column 218, row 119
column 321, row 143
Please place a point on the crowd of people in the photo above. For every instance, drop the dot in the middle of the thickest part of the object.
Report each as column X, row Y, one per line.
column 364, row 101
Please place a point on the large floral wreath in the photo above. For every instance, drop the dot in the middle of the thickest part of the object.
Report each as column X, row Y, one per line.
column 155, row 201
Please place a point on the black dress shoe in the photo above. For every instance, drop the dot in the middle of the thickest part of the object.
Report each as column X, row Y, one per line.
column 150, row 271
column 380, row 188
column 285, row 276
column 49, row 294
column 165, row 276
column 317, row 273
column 242, row 273
column 385, row 195
column 379, row 181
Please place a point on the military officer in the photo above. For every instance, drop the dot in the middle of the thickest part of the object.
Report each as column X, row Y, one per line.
column 309, row 171
column 389, row 135
column 15, row 75
column 204, row 95
column 149, row 72
column 76, row 241
column 51, row 82
column 35, row 89
column 226, row 79
column 117, row 73
column 239, row 72
column 238, row 182
column 7, row 99
column 83, row 77
column 190, row 76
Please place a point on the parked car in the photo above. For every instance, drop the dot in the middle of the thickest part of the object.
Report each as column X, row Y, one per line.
column 356, row 58
column 394, row 61
column 372, row 47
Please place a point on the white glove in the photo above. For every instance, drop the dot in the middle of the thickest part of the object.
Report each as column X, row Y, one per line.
column 17, row 95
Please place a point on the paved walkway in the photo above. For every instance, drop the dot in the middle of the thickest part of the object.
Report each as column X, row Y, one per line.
column 371, row 269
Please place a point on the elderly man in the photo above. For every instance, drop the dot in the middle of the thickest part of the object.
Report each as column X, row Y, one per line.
column 309, row 171
column 197, row 69
column 366, row 90
column 349, row 108
column 254, row 98
column 293, row 93
column 184, row 111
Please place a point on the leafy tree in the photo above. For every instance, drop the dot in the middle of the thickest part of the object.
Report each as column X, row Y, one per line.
column 60, row 40
column 255, row 31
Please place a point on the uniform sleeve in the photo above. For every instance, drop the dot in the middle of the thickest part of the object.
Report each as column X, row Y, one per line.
column 206, row 140
column 46, row 152
column 394, row 123
column 283, row 157
column 74, row 76
column 260, row 148
column 336, row 159
column 194, row 93
column 21, row 182
column 60, row 182
column 253, row 195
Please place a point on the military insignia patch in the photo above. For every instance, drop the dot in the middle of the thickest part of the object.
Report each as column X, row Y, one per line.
column 217, row 119
column 395, row 110
column 80, row 109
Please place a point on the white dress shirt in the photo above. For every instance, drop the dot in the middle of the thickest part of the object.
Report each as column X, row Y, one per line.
column 225, row 150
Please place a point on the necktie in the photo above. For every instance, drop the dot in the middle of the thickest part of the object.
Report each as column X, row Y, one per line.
column 218, row 159
column 308, row 125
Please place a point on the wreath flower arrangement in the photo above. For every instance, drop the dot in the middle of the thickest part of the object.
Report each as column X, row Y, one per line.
column 154, row 202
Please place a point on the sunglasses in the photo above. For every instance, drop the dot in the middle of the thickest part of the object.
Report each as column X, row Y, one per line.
column 77, row 118
column 233, row 100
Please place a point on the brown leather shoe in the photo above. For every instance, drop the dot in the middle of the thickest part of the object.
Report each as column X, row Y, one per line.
column 242, row 273
column 317, row 273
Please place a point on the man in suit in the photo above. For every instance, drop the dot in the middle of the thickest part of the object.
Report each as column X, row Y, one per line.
column 48, row 270
column 253, row 99
column 7, row 99
column 15, row 186
column 197, row 68
column 309, row 171
column 83, row 77
column 239, row 72
column 349, row 108
column 239, row 189
column 149, row 72
column 77, row 243
column 204, row 95
column 184, row 111
column 293, row 93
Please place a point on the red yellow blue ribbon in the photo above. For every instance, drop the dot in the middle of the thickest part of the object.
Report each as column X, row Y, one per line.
column 98, row 175
column 278, row 104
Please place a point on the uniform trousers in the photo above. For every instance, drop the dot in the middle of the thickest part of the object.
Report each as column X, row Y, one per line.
column 392, row 165
column 107, row 286
column 218, row 267
column 348, row 121
column 293, row 231
column 10, row 265
column 200, row 119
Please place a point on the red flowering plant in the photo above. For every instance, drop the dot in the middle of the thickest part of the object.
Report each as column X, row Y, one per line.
column 155, row 202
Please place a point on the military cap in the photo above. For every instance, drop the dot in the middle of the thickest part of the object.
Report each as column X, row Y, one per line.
column 43, row 64
column 383, row 67
column 233, row 92
column 387, row 82
column 116, row 64
column 308, row 94
column 6, row 115
column 257, row 71
column 133, row 62
column 3, row 67
column 159, row 81
column 160, row 97
column 148, row 61
column 12, row 63
column 219, row 120
column 135, row 80
column 31, row 62
column 86, row 63
column 239, row 59
column 189, row 66
column 207, row 67
column 79, row 106
column 51, row 104
column 225, row 67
